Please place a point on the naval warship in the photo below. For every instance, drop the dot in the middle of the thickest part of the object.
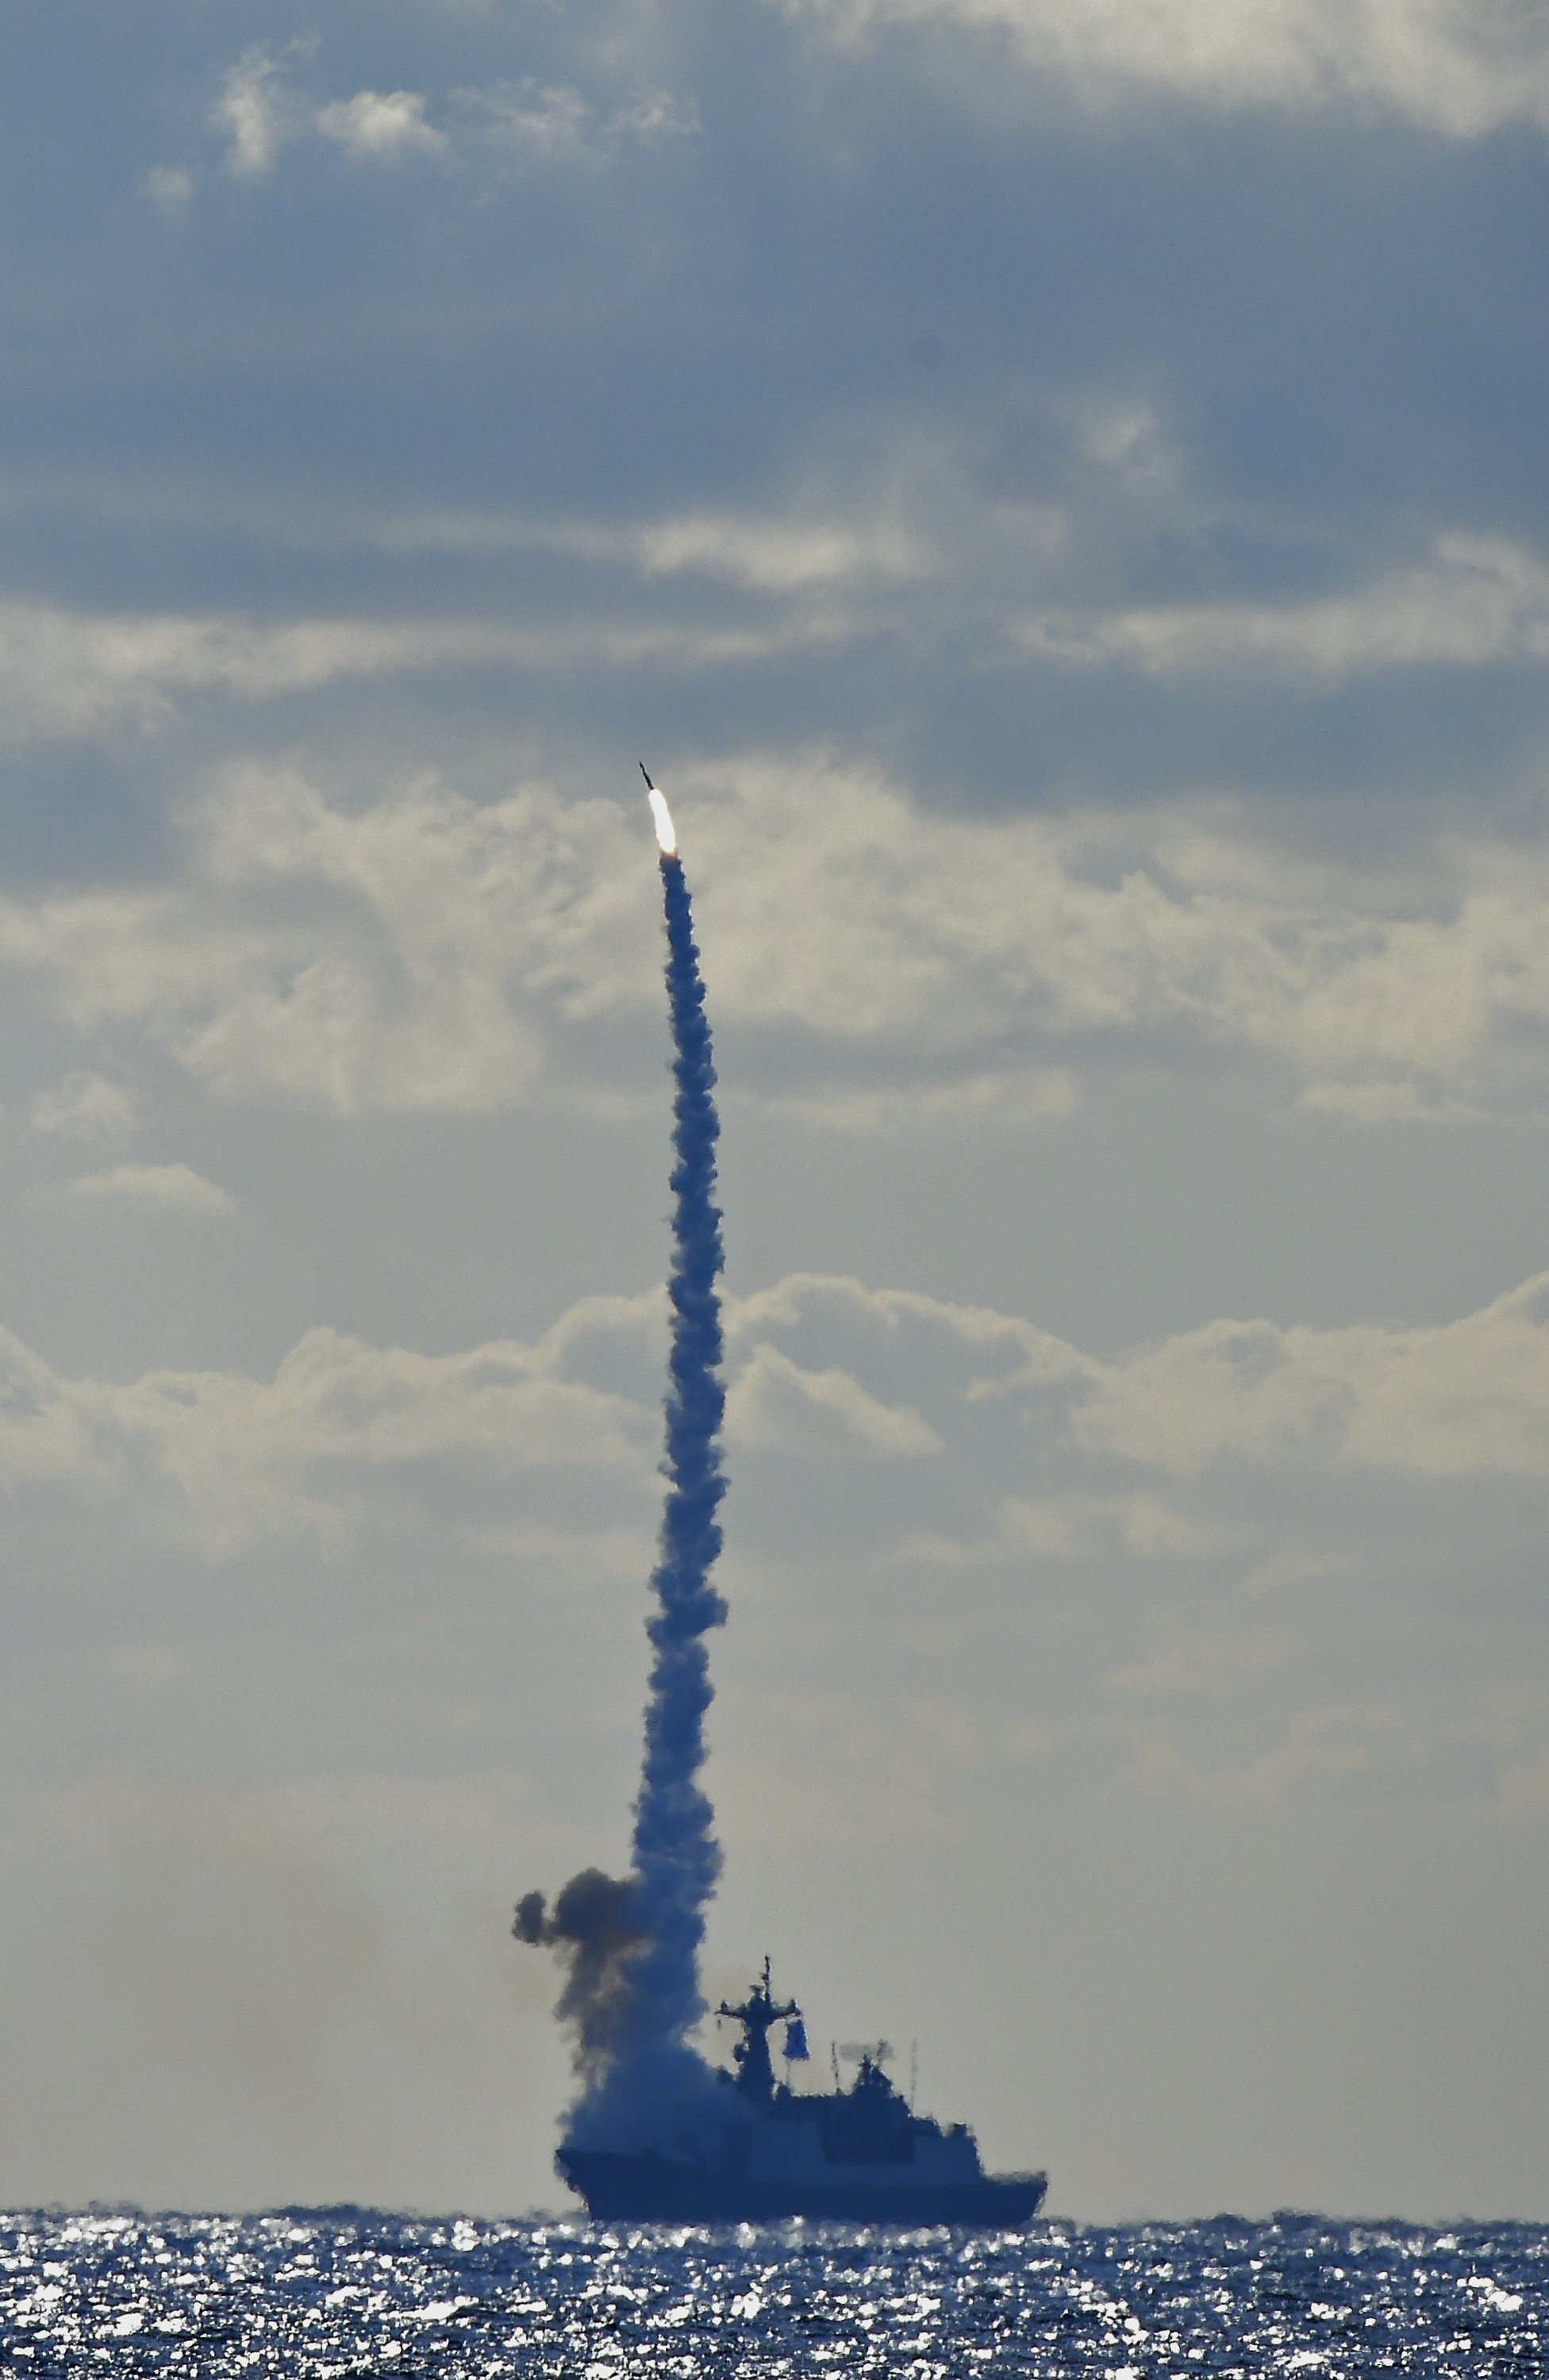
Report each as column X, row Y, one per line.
column 855, row 2156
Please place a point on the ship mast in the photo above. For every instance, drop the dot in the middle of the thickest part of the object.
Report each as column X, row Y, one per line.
column 756, row 2015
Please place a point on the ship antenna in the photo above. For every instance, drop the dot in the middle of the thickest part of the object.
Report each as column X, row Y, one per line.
column 913, row 2072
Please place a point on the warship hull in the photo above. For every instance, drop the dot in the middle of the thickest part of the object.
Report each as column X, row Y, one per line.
column 632, row 2188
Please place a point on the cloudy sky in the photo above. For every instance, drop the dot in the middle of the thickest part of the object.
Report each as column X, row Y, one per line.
column 1053, row 489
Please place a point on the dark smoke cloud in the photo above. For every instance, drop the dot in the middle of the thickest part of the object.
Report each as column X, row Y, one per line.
column 632, row 1995
column 594, row 1926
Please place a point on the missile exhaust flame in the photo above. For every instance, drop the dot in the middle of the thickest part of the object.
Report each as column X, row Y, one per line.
column 661, row 818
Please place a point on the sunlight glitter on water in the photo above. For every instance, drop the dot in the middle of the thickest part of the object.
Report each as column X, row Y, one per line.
column 347, row 2292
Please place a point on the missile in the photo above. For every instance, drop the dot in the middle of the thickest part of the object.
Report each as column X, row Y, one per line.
column 666, row 834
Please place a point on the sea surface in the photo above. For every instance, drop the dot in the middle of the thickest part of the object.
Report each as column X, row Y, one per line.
column 346, row 2291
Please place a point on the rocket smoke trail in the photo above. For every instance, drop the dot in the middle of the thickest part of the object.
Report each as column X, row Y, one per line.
column 677, row 1856
column 633, row 1945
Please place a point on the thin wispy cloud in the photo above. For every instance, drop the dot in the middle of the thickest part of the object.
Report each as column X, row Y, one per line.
column 269, row 99
column 67, row 675
column 1476, row 603
column 254, row 113
column 171, row 187
column 380, row 124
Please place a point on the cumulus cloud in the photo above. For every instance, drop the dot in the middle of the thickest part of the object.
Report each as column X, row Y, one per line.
column 1463, row 1400
column 253, row 113
column 836, row 906
column 1147, row 1468
column 345, row 1438
column 48, row 1430
column 1461, row 68
column 1000, row 1349
column 827, row 1415
column 414, row 956
column 381, row 126
column 431, row 952
column 86, row 1106
column 235, row 1461
column 1468, row 1399
column 338, row 1413
column 175, row 1188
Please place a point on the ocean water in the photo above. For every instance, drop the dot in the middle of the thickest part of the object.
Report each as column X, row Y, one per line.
column 344, row 2291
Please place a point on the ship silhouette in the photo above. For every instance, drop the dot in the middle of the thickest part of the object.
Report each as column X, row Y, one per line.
column 858, row 2155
